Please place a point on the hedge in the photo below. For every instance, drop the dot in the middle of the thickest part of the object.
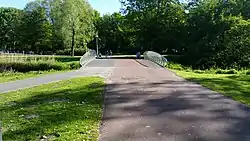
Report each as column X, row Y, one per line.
column 77, row 52
column 37, row 66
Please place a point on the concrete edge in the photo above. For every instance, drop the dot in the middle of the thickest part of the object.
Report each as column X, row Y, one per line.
column 137, row 60
column 90, row 60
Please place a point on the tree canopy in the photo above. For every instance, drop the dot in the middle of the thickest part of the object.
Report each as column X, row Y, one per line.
column 45, row 26
column 206, row 33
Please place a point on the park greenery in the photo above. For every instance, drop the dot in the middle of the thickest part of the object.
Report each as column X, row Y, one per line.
column 206, row 41
column 17, row 67
column 65, row 110
column 203, row 33
column 47, row 26
column 27, row 63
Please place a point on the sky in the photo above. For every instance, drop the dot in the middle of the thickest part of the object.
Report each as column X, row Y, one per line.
column 103, row 6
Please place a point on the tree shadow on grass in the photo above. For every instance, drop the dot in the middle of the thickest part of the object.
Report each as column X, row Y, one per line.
column 236, row 87
column 54, row 113
column 173, row 110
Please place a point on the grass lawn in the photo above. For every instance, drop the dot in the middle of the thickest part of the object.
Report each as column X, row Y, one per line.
column 236, row 86
column 65, row 110
column 13, row 76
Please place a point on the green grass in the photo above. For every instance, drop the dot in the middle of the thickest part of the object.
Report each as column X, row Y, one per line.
column 13, row 76
column 29, row 58
column 236, row 86
column 38, row 66
column 65, row 110
column 180, row 67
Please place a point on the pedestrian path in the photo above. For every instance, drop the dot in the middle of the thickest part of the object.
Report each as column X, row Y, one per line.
column 31, row 82
column 153, row 104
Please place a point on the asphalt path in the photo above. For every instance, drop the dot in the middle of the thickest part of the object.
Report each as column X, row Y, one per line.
column 101, row 63
column 153, row 104
column 31, row 82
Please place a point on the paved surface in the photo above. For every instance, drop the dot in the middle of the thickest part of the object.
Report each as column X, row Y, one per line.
column 148, row 64
column 97, row 71
column 153, row 104
column 102, row 63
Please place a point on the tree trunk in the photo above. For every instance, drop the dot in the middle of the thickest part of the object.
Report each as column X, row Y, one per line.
column 73, row 40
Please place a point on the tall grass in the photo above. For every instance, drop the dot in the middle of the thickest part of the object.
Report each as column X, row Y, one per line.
column 26, row 63
column 179, row 67
column 14, row 57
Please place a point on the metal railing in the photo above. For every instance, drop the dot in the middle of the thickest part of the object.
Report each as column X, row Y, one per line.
column 88, row 56
column 155, row 57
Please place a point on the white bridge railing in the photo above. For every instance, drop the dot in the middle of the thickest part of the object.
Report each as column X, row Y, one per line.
column 155, row 57
column 88, row 56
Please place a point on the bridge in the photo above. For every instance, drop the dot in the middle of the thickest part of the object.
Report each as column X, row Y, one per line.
column 151, row 59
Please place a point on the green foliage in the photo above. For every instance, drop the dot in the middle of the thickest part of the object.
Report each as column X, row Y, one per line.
column 37, row 66
column 74, row 20
column 205, row 33
column 77, row 52
column 248, row 72
column 174, row 66
column 179, row 67
column 46, row 26
column 9, row 21
column 199, row 71
column 236, row 49
column 67, row 58
column 231, row 71
column 36, row 30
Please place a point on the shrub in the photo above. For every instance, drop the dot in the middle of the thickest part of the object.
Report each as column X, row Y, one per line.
column 37, row 66
column 77, row 52
column 67, row 58
column 74, row 65
column 174, row 66
column 248, row 72
column 232, row 71
column 199, row 71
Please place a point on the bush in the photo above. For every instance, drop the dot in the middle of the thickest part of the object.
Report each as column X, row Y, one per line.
column 248, row 73
column 37, row 66
column 232, row 71
column 74, row 65
column 179, row 59
column 199, row 71
column 77, row 51
column 67, row 58
column 174, row 66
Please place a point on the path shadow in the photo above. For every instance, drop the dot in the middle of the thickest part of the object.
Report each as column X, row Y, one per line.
column 182, row 109
column 236, row 86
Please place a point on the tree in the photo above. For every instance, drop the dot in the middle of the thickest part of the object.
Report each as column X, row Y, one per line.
column 36, row 28
column 74, row 20
column 156, row 24
column 9, row 21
